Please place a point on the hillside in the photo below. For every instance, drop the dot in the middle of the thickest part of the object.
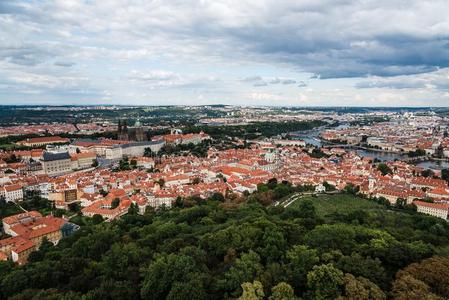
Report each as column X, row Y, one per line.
column 318, row 248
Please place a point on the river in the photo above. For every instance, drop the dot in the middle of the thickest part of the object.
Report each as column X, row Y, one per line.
column 312, row 137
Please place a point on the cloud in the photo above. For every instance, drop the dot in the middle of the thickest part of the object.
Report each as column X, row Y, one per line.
column 438, row 80
column 383, row 44
column 157, row 75
column 252, row 79
column 64, row 64
column 265, row 81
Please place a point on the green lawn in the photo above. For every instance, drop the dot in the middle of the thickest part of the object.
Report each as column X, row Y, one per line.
column 342, row 203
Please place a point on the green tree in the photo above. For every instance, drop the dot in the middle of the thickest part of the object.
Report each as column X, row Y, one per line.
column 282, row 291
column 445, row 174
column 324, row 282
column 245, row 269
column 167, row 275
column 115, row 203
column 301, row 260
column 95, row 163
column 384, row 169
column 252, row 291
column 427, row 173
column 97, row 219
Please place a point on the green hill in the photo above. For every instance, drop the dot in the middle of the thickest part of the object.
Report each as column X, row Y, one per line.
column 318, row 248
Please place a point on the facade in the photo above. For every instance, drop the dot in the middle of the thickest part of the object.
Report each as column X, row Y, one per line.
column 83, row 160
column 28, row 230
column 42, row 141
column 133, row 149
column 135, row 133
column 13, row 192
column 55, row 164
column 439, row 210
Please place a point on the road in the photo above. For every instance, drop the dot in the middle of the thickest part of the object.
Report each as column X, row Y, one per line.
column 287, row 202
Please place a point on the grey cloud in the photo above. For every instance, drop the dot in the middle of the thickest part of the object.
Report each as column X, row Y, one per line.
column 251, row 78
column 381, row 38
column 302, row 84
column 288, row 81
column 434, row 80
column 64, row 64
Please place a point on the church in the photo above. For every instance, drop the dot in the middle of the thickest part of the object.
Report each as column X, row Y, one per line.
column 134, row 133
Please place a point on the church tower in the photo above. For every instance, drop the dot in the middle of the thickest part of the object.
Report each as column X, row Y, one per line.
column 122, row 131
column 140, row 134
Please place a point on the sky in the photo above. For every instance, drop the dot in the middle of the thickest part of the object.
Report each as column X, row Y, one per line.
column 238, row 52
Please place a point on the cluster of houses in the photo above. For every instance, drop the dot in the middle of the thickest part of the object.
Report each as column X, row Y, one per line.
column 159, row 182
column 431, row 135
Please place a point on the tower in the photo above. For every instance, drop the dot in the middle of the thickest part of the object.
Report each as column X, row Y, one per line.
column 138, row 131
column 122, row 131
column 119, row 127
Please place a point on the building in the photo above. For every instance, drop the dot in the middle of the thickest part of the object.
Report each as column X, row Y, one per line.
column 55, row 164
column 439, row 210
column 63, row 198
column 83, row 160
column 28, row 230
column 13, row 192
column 42, row 141
column 133, row 149
column 135, row 133
column 10, row 221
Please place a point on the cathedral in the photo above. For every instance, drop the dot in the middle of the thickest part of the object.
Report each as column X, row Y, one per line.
column 134, row 133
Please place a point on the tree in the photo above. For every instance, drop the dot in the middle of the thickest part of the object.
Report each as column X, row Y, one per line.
column 282, row 291
column 133, row 209
column 97, row 219
column 148, row 152
column 433, row 272
column 245, row 269
column 39, row 255
column 301, row 260
column 427, row 173
column 306, row 209
column 274, row 245
column 252, row 291
column 361, row 289
column 324, row 282
column 384, row 169
column 358, row 265
column 329, row 187
column 272, row 183
column 406, row 287
column 217, row 197
column 445, row 174
column 115, row 203
column 168, row 274
column 95, row 163
column 351, row 189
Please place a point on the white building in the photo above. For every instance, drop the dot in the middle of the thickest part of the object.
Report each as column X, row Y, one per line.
column 439, row 210
column 13, row 192
column 133, row 149
column 55, row 164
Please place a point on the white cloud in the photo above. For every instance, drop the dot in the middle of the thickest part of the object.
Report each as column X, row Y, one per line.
column 79, row 46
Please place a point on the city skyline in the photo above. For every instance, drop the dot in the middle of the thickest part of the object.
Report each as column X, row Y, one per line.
column 287, row 53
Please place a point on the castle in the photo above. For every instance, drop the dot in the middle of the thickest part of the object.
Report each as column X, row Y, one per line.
column 134, row 133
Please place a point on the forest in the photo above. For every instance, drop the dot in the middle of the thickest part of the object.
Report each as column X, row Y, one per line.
column 322, row 247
